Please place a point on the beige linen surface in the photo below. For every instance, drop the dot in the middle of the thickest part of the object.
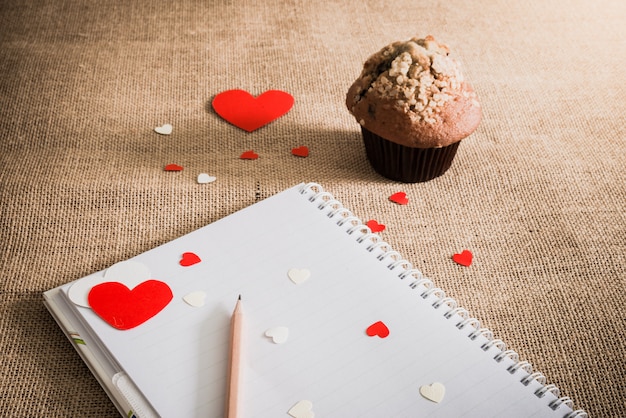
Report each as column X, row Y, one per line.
column 537, row 193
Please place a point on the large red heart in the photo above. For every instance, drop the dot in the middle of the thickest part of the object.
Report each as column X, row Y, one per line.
column 250, row 113
column 123, row 308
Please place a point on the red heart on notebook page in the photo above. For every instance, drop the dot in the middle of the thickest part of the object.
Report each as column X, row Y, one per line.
column 189, row 259
column 123, row 308
column 377, row 329
column 249, row 113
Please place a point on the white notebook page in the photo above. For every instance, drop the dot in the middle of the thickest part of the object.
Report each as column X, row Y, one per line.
column 178, row 359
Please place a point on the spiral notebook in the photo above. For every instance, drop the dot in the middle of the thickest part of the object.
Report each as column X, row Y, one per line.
column 338, row 324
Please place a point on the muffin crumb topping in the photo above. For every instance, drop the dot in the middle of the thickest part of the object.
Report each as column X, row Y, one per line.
column 418, row 76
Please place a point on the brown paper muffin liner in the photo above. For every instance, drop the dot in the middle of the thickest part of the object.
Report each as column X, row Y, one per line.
column 406, row 164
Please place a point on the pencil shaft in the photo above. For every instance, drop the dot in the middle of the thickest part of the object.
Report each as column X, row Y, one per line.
column 232, row 407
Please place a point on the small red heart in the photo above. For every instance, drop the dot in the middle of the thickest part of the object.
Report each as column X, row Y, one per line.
column 464, row 259
column 377, row 329
column 173, row 167
column 123, row 308
column 189, row 259
column 249, row 113
column 249, row 155
column 300, row 151
column 374, row 226
column 399, row 198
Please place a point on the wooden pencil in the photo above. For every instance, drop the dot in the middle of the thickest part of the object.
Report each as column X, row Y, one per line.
column 232, row 406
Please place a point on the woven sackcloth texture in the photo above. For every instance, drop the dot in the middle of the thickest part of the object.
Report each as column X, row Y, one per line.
column 537, row 193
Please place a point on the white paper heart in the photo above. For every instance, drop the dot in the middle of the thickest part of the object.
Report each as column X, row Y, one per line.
column 204, row 178
column 164, row 130
column 303, row 409
column 278, row 334
column 195, row 299
column 79, row 291
column 130, row 273
column 298, row 276
column 433, row 392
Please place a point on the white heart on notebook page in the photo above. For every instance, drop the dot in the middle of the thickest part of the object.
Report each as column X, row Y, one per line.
column 433, row 392
column 129, row 273
column 303, row 409
column 278, row 334
column 79, row 290
column 298, row 276
column 195, row 299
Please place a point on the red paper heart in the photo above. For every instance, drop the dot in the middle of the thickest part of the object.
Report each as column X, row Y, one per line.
column 374, row 226
column 399, row 198
column 300, row 151
column 464, row 259
column 173, row 167
column 189, row 259
column 377, row 329
column 249, row 113
column 123, row 308
column 249, row 155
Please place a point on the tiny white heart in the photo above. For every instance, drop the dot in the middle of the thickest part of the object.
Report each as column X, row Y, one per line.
column 298, row 276
column 433, row 392
column 278, row 334
column 303, row 409
column 195, row 299
column 164, row 130
column 204, row 178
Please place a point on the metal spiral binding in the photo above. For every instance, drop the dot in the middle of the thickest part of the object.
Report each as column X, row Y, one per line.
column 538, row 376
column 352, row 224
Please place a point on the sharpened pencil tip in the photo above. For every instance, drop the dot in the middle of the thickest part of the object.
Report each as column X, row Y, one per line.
column 239, row 297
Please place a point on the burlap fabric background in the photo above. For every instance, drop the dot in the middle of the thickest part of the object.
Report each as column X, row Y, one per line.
column 537, row 193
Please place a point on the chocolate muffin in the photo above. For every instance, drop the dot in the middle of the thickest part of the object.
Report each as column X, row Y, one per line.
column 414, row 107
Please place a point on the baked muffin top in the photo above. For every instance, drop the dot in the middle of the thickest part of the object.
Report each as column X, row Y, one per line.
column 413, row 93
